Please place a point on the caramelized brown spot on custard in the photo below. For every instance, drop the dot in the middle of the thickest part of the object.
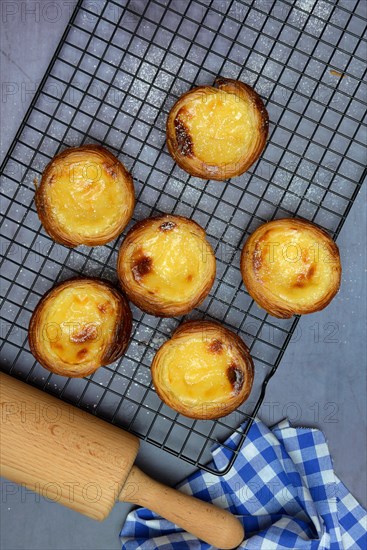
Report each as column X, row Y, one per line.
column 216, row 346
column 304, row 278
column 235, row 377
column 86, row 333
column 305, row 256
column 183, row 137
column 110, row 170
column 141, row 267
column 167, row 226
column 104, row 308
column 189, row 278
column 82, row 353
column 266, row 236
column 56, row 345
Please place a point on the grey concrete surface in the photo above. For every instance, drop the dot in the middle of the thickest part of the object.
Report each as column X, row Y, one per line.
column 320, row 382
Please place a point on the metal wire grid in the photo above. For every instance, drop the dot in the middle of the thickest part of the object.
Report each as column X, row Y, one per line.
column 112, row 80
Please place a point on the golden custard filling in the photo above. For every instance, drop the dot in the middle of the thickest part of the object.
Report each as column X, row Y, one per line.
column 293, row 265
column 200, row 370
column 78, row 324
column 216, row 127
column 172, row 262
column 86, row 198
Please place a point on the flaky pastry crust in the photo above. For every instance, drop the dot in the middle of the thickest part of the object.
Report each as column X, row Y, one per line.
column 78, row 326
column 86, row 196
column 166, row 266
column 217, row 132
column 204, row 371
column 291, row 267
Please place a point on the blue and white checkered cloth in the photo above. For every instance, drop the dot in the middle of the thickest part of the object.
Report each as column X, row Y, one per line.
column 282, row 487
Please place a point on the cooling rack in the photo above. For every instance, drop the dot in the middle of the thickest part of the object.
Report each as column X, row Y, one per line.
column 117, row 71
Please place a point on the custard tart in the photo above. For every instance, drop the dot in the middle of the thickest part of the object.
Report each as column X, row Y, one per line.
column 204, row 371
column 166, row 266
column 291, row 267
column 217, row 132
column 86, row 196
column 78, row 326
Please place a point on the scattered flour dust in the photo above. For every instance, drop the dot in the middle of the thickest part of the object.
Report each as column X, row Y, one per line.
column 158, row 341
column 319, row 9
column 305, row 5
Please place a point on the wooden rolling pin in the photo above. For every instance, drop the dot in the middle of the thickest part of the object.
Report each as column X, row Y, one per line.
column 80, row 461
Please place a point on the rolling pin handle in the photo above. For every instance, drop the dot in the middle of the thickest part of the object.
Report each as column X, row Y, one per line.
column 207, row 522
